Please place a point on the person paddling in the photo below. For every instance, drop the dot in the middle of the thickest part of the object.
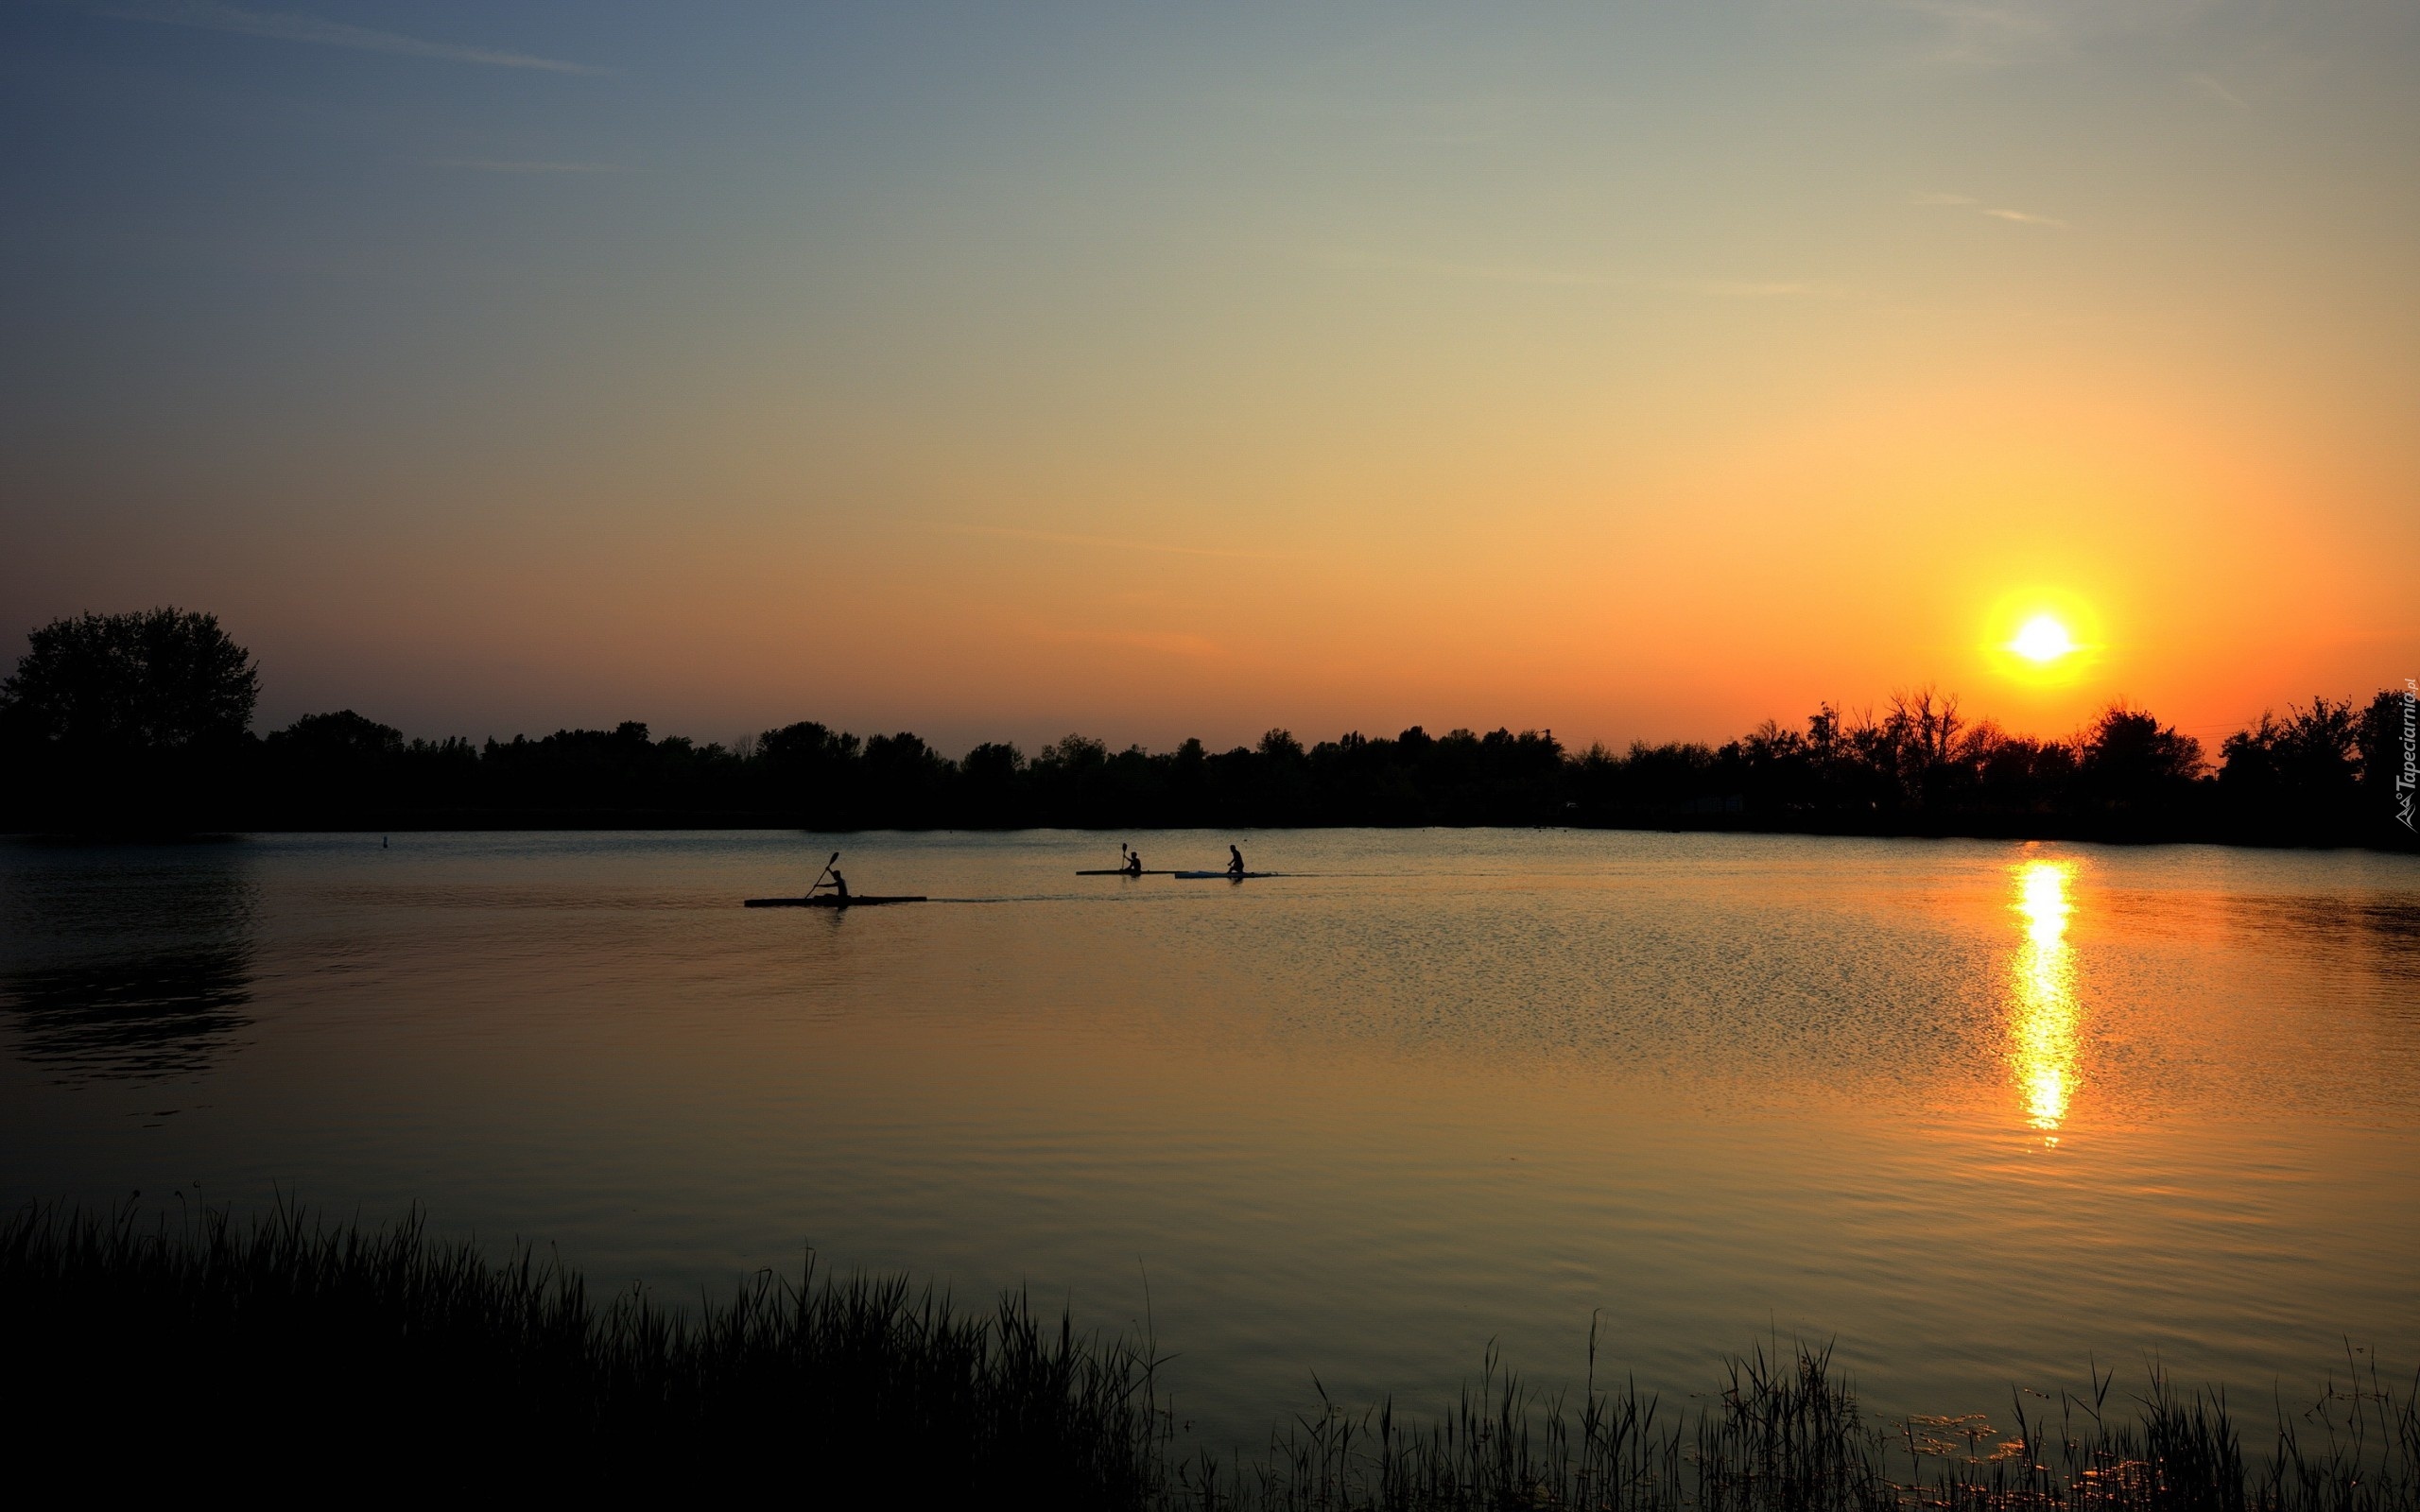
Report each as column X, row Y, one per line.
column 1133, row 863
column 1235, row 862
column 840, row 885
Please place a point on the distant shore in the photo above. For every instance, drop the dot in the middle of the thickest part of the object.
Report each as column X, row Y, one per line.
column 2129, row 832
column 2330, row 773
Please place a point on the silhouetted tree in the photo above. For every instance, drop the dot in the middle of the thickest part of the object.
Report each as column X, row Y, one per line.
column 128, row 721
column 1778, row 775
column 2390, row 735
column 992, row 786
column 806, row 745
column 2014, row 775
column 2301, row 772
column 2131, row 764
column 340, row 737
column 323, row 767
column 807, row 770
column 1923, row 732
column 903, row 782
column 162, row 679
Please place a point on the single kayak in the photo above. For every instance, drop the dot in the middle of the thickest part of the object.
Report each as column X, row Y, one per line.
column 828, row 901
column 1238, row 875
column 1121, row 871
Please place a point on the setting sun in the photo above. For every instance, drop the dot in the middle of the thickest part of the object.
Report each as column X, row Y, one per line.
column 2043, row 640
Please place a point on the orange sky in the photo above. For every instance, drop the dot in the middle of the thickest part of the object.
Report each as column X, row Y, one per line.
column 1637, row 375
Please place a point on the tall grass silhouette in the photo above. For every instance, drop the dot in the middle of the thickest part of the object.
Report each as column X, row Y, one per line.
column 1785, row 1433
column 180, row 1344
column 359, row 1359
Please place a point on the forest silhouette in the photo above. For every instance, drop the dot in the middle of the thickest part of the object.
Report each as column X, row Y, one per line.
column 141, row 723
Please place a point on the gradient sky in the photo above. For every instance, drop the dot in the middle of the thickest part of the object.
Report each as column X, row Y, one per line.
column 1154, row 370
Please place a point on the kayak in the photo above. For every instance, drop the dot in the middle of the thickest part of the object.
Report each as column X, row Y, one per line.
column 828, row 901
column 1238, row 875
column 1121, row 871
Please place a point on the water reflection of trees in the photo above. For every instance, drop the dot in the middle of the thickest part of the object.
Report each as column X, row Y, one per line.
column 128, row 967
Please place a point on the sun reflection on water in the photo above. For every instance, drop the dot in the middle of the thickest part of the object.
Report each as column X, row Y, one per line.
column 2042, row 1027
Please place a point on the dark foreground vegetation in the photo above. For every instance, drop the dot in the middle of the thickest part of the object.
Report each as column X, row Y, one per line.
column 175, row 1352
column 386, row 1352
column 143, row 723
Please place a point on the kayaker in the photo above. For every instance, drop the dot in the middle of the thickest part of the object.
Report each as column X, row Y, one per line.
column 1235, row 862
column 839, row 885
column 1133, row 863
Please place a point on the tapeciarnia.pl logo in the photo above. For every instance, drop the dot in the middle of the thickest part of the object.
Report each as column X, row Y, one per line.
column 2408, row 778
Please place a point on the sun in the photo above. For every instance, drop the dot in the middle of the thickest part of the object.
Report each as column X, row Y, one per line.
column 2043, row 637
column 2043, row 640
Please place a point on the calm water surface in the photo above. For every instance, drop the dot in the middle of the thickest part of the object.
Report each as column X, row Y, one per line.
column 1978, row 1110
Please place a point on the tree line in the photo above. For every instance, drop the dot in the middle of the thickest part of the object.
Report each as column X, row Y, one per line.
column 143, row 722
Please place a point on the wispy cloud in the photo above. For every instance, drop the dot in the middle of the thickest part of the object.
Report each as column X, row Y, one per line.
column 2023, row 218
column 1054, row 538
column 512, row 165
column 2213, row 87
column 288, row 26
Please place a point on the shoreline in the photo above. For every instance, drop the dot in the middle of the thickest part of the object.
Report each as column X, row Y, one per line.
column 662, row 822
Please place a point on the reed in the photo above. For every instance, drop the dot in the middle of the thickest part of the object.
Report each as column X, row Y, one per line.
column 1785, row 1433
column 149, row 1347
column 349, row 1359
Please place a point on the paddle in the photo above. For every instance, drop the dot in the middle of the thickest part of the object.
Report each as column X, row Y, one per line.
column 819, row 876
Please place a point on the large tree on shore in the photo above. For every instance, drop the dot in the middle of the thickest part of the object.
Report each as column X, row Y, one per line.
column 162, row 680
column 2129, row 760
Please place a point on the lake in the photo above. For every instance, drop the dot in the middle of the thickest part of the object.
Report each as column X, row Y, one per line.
column 1978, row 1111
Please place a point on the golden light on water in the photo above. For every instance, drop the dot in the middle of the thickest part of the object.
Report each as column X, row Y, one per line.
column 2045, row 1017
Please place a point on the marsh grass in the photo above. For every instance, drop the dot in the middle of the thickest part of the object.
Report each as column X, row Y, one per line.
column 1785, row 1433
column 152, row 1351
column 156, row 1345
